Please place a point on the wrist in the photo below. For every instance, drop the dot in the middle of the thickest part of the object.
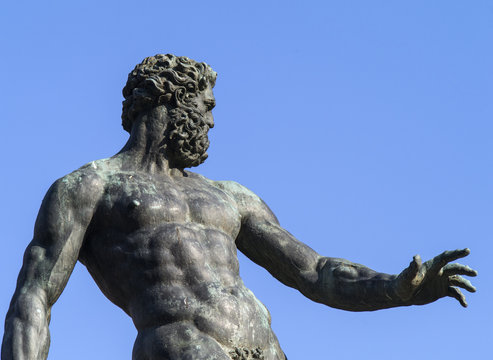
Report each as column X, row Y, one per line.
column 393, row 292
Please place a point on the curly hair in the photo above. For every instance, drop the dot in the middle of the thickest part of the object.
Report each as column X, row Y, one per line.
column 163, row 80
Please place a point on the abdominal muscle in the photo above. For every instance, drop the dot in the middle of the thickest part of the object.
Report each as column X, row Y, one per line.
column 225, row 318
column 180, row 284
column 229, row 315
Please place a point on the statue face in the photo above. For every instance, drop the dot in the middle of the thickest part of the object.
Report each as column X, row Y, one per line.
column 186, row 137
column 204, row 103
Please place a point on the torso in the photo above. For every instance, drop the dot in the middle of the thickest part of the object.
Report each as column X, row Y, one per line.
column 163, row 249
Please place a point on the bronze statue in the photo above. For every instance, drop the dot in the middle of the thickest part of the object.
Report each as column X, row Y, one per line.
column 161, row 242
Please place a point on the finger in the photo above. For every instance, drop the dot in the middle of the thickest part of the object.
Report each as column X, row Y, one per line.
column 446, row 257
column 455, row 293
column 459, row 281
column 458, row 269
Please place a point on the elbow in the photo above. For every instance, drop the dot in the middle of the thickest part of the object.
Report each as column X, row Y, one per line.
column 335, row 280
column 316, row 283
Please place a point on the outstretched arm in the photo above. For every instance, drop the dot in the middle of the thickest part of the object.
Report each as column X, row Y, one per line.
column 337, row 282
column 48, row 262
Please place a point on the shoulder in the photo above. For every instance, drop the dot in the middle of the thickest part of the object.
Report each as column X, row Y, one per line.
column 81, row 186
column 238, row 191
column 71, row 199
column 247, row 201
column 91, row 175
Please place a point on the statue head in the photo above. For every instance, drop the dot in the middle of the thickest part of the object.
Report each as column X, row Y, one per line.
column 177, row 83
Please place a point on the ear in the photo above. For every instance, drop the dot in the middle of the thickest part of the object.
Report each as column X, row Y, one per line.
column 164, row 99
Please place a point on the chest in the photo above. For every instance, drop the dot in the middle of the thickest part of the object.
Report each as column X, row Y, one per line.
column 133, row 202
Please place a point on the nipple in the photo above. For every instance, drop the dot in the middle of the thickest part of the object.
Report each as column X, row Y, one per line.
column 133, row 204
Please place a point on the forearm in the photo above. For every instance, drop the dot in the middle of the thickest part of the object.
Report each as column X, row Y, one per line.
column 26, row 334
column 348, row 286
column 334, row 282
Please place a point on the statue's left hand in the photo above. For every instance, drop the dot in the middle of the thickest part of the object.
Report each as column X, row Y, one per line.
column 422, row 283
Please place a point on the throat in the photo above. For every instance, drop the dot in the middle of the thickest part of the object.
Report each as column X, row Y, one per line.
column 149, row 162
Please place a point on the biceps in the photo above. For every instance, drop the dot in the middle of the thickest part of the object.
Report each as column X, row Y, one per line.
column 52, row 254
column 279, row 252
column 46, row 270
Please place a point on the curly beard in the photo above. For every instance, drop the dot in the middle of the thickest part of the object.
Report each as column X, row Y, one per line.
column 186, row 138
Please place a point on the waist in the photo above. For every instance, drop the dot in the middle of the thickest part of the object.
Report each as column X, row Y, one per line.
column 173, row 338
column 213, row 308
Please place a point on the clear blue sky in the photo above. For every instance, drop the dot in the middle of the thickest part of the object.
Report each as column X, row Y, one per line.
column 365, row 125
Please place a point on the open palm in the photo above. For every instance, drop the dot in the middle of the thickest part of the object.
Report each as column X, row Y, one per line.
column 422, row 283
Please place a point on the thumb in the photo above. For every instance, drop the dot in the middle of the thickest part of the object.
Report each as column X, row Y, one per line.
column 406, row 279
column 412, row 270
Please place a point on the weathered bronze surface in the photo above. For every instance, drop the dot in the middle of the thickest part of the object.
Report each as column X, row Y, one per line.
column 161, row 242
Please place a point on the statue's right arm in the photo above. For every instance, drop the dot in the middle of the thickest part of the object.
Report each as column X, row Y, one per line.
column 48, row 262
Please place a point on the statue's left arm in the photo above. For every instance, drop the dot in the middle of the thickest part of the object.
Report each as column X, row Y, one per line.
column 336, row 282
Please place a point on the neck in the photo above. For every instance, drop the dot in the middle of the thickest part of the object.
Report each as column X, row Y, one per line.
column 145, row 149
